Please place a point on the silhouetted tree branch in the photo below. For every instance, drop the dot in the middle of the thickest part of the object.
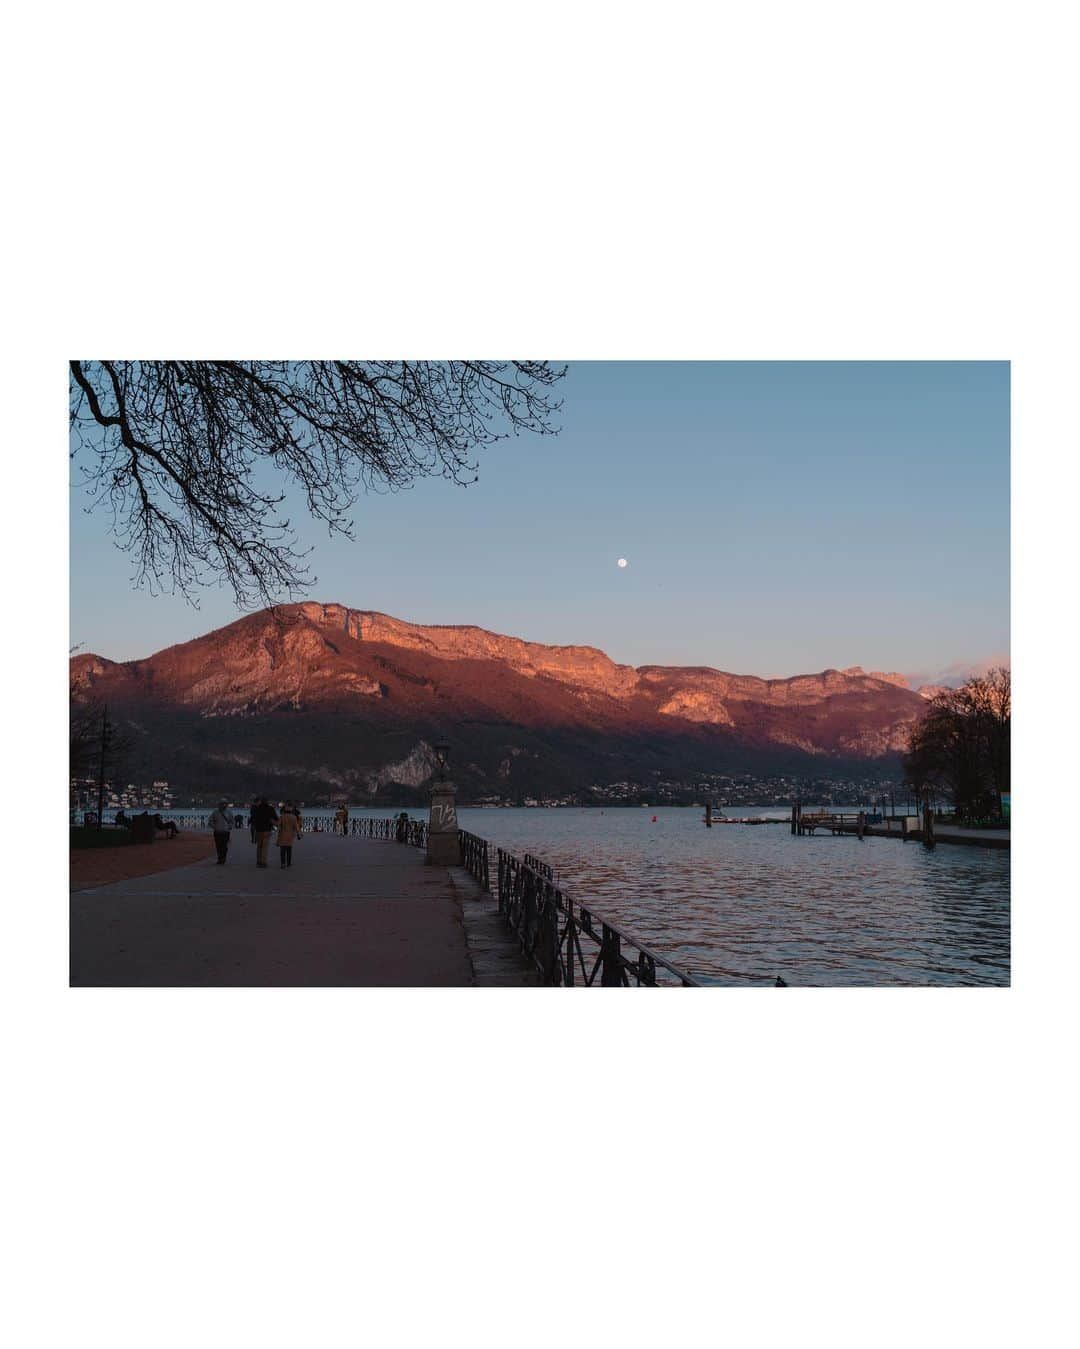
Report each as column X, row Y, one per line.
column 192, row 457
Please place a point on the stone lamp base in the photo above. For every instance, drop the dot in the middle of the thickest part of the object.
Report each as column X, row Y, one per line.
column 443, row 845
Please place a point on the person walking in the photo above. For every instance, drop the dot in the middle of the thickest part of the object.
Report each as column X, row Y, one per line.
column 221, row 824
column 288, row 831
column 264, row 817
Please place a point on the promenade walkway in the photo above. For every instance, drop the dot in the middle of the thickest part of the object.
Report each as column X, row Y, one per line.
column 954, row 833
column 349, row 912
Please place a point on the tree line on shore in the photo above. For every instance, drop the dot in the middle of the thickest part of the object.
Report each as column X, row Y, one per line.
column 961, row 746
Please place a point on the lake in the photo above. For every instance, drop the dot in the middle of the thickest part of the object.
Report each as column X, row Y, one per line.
column 739, row 905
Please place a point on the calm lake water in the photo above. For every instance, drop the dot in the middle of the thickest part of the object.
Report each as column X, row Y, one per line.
column 737, row 905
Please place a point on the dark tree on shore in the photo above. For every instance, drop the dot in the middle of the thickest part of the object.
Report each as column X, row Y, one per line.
column 192, row 458
column 99, row 747
column 962, row 745
column 84, row 725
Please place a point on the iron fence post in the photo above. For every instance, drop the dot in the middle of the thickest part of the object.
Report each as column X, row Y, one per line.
column 611, row 970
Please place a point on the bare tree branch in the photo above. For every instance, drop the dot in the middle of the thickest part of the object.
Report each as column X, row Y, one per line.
column 184, row 454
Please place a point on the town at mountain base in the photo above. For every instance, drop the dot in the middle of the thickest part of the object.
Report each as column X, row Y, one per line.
column 323, row 701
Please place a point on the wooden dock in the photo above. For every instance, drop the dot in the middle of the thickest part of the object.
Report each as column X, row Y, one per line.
column 715, row 815
column 832, row 823
column 907, row 828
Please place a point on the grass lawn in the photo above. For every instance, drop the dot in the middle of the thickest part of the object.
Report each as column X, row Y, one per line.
column 103, row 865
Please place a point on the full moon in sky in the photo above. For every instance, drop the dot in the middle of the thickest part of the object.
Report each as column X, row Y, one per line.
column 623, row 562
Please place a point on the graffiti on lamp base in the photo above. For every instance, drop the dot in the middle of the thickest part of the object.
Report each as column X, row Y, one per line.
column 443, row 817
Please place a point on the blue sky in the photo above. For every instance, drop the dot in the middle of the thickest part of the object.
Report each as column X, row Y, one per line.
column 777, row 518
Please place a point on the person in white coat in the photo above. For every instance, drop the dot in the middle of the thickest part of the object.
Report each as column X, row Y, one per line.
column 221, row 824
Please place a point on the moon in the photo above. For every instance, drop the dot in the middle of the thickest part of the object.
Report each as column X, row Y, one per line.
column 623, row 562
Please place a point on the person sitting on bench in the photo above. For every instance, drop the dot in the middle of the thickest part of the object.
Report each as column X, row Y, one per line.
column 169, row 826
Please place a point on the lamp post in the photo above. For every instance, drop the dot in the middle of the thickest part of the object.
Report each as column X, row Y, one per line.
column 443, row 844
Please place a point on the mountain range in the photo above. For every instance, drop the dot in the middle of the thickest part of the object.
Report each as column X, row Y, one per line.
column 321, row 700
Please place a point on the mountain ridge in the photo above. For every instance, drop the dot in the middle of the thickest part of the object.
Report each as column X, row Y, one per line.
column 385, row 627
column 337, row 695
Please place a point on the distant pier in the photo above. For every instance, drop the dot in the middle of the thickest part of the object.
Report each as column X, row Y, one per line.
column 908, row 828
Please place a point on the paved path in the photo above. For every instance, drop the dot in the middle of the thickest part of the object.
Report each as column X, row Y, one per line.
column 350, row 912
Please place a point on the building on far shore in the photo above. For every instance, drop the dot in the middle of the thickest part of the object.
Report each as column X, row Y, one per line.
column 83, row 795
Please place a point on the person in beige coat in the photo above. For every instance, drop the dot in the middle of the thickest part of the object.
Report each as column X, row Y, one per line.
column 288, row 831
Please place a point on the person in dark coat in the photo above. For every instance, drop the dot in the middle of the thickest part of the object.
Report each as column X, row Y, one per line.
column 265, row 817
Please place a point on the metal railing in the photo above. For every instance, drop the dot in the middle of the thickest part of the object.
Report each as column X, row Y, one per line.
column 555, row 932
column 189, row 821
column 474, row 857
column 368, row 828
column 541, row 868
column 313, row 822
column 567, row 942
column 392, row 829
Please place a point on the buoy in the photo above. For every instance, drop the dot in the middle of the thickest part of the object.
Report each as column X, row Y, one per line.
column 654, row 819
